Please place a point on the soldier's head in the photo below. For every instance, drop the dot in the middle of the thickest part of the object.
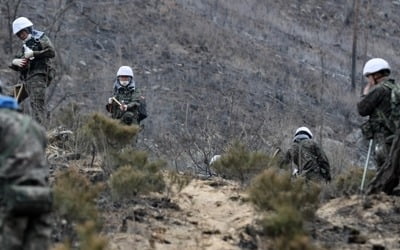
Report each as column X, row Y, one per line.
column 22, row 28
column 125, row 75
column 377, row 68
column 302, row 133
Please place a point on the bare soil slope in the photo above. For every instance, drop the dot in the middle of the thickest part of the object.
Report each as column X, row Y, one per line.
column 206, row 214
column 211, row 214
column 359, row 222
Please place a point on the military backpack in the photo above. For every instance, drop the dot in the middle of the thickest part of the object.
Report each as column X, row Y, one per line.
column 392, row 122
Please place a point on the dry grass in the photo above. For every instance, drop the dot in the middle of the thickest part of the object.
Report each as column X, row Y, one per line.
column 89, row 238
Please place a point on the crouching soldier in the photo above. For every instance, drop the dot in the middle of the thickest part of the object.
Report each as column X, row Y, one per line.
column 127, row 104
column 310, row 160
column 25, row 193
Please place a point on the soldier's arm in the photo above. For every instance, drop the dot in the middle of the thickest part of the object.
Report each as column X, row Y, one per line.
column 323, row 163
column 369, row 102
column 284, row 159
column 47, row 49
column 133, row 104
column 322, row 158
column 137, row 100
column 14, row 67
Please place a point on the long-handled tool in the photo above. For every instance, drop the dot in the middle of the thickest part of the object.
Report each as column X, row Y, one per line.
column 366, row 165
column 115, row 100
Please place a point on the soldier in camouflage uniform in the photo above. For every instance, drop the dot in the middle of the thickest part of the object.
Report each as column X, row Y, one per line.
column 23, row 225
column 34, row 65
column 309, row 158
column 128, row 104
column 376, row 103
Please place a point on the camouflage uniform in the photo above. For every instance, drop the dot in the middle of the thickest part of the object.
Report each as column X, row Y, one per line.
column 310, row 160
column 130, row 96
column 22, row 147
column 38, row 73
column 377, row 105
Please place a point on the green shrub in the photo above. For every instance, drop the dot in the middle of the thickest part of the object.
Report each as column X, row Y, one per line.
column 136, row 176
column 129, row 156
column 287, row 203
column 285, row 221
column 106, row 132
column 273, row 189
column 74, row 196
column 101, row 134
column 240, row 164
column 347, row 183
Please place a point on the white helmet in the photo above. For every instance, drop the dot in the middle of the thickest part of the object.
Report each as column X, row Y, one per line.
column 21, row 23
column 304, row 130
column 375, row 65
column 125, row 71
column 214, row 158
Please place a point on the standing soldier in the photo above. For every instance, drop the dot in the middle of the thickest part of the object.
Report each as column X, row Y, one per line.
column 376, row 103
column 25, row 199
column 34, row 65
column 309, row 158
column 380, row 101
column 127, row 104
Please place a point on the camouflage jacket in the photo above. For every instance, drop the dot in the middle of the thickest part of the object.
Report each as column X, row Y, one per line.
column 308, row 156
column 43, row 51
column 130, row 96
column 376, row 104
column 22, row 148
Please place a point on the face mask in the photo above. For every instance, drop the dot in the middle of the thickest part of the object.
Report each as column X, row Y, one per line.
column 124, row 83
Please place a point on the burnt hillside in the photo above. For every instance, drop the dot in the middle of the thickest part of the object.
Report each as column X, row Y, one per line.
column 213, row 71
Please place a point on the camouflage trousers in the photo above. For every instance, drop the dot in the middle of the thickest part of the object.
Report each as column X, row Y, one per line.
column 129, row 118
column 25, row 233
column 381, row 149
column 36, row 89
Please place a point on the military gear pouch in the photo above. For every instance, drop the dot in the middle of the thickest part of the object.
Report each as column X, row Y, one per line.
column 27, row 200
column 367, row 130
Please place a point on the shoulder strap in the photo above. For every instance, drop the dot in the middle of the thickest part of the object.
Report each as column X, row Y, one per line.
column 299, row 166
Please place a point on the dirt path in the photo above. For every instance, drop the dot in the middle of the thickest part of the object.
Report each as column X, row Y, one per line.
column 211, row 215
